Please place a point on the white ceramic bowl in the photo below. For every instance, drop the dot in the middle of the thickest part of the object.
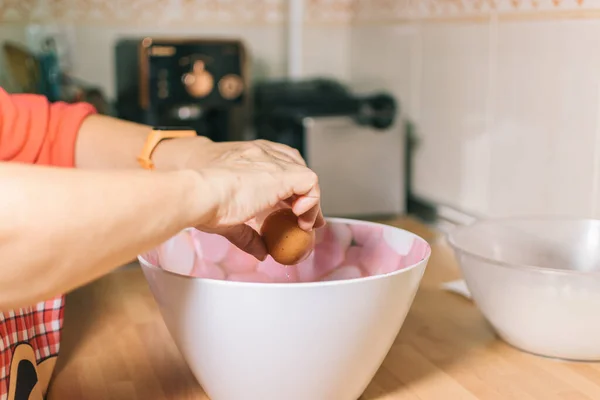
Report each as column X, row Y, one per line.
column 537, row 281
column 263, row 331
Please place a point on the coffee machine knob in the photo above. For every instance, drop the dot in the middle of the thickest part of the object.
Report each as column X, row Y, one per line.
column 231, row 86
column 199, row 82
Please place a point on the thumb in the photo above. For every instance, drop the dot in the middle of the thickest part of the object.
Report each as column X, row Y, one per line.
column 245, row 238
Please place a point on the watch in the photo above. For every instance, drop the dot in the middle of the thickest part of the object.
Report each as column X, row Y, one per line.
column 156, row 135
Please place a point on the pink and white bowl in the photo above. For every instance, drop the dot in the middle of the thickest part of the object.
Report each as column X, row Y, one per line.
column 263, row 331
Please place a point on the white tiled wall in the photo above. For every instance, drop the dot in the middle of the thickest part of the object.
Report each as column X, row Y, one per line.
column 546, row 117
column 453, row 101
column 506, row 100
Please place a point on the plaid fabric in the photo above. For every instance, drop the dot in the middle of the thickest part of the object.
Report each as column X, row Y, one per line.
column 39, row 326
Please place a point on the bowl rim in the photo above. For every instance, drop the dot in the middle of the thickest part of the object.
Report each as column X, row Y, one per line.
column 424, row 260
column 451, row 236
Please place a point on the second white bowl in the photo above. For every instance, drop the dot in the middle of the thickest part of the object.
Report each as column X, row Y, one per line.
column 537, row 281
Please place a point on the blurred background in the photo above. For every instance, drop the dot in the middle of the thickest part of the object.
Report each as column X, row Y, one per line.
column 443, row 108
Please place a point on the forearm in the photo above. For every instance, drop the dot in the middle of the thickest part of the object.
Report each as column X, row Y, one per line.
column 105, row 142
column 63, row 228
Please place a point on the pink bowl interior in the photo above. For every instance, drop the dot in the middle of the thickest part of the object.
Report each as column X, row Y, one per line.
column 343, row 250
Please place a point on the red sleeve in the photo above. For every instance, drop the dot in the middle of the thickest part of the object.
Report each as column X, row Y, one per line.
column 35, row 131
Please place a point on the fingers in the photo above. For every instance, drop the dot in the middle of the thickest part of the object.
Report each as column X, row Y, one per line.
column 311, row 218
column 288, row 178
column 245, row 238
column 307, row 220
column 320, row 221
column 307, row 205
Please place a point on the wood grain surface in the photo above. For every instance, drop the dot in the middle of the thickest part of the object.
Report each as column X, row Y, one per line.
column 116, row 347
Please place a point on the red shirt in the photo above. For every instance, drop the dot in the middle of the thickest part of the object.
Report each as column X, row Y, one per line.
column 34, row 131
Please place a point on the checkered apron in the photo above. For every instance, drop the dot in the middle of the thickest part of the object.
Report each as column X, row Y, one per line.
column 39, row 326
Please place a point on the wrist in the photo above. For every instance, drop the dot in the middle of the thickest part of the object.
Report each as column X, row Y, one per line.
column 175, row 154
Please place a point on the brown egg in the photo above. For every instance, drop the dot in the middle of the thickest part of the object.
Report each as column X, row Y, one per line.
column 285, row 241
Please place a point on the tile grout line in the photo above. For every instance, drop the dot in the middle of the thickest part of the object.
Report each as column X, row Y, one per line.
column 491, row 96
column 596, row 169
column 416, row 72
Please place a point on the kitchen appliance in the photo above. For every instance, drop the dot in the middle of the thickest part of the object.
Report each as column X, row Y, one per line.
column 352, row 142
column 537, row 282
column 318, row 330
column 25, row 68
column 195, row 83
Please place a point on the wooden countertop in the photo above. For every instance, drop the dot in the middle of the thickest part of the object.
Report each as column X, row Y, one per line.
column 116, row 347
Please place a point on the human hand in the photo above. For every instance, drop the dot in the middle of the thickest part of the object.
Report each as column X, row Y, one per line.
column 245, row 179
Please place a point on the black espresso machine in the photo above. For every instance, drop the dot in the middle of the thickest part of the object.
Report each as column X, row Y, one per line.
column 353, row 142
column 195, row 83
column 282, row 109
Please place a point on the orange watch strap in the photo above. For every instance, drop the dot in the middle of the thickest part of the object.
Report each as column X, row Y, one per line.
column 154, row 138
